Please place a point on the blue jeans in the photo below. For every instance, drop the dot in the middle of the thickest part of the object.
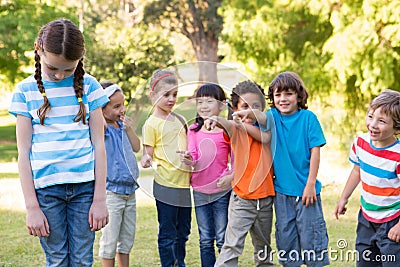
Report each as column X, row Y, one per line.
column 66, row 208
column 212, row 218
column 173, row 233
column 300, row 231
column 374, row 247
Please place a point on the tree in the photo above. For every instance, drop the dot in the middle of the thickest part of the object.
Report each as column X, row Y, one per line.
column 127, row 54
column 270, row 37
column 365, row 48
column 20, row 23
column 198, row 20
column 345, row 51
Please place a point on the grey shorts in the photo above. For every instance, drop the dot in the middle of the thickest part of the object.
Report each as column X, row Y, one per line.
column 119, row 233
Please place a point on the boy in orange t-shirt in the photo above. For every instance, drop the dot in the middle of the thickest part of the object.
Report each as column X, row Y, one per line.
column 250, row 206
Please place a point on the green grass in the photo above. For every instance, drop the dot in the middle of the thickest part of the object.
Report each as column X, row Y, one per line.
column 9, row 175
column 8, row 143
column 19, row 249
column 7, row 133
column 8, row 152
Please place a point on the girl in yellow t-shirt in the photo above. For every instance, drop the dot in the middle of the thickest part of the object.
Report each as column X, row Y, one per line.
column 163, row 133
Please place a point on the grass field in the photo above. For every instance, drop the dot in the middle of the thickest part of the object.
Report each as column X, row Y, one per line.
column 20, row 249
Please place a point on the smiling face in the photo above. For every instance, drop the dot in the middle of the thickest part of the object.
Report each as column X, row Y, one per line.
column 208, row 106
column 249, row 100
column 114, row 109
column 286, row 101
column 381, row 128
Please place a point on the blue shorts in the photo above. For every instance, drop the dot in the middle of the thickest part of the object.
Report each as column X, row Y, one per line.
column 301, row 235
column 373, row 245
column 66, row 207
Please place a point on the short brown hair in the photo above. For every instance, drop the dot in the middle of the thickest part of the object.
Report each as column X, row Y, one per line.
column 285, row 81
column 389, row 102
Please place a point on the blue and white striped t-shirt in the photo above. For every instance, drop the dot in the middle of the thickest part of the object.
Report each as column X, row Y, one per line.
column 61, row 151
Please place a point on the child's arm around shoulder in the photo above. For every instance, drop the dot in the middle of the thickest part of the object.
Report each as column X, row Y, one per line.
column 351, row 184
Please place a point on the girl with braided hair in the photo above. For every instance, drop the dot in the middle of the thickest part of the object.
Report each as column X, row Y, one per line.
column 61, row 153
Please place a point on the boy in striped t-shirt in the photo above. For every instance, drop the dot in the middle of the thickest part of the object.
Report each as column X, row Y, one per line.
column 376, row 159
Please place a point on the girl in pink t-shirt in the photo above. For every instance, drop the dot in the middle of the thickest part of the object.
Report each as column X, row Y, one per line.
column 209, row 153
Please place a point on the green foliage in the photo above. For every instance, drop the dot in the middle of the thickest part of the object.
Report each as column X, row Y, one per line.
column 20, row 23
column 128, row 55
column 348, row 50
column 186, row 17
column 345, row 51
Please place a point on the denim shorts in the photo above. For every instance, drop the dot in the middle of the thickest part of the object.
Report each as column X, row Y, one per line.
column 301, row 235
column 66, row 208
column 373, row 244
column 119, row 234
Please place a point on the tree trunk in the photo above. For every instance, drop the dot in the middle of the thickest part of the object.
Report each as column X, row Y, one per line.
column 206, row 50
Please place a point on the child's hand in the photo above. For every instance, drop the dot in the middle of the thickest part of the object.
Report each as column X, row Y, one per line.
column 309, row 195
column 185, row 157
column 211, row 122
column 146, row 161
column 236, row 118
column 394, row 233
column 98, row 215
column 242, row 115
column 225, row 182
column 36, row 222
column 340, row 208
column 128, row 123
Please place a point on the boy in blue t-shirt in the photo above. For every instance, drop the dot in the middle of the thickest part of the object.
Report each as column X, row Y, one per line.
column 297, row 137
